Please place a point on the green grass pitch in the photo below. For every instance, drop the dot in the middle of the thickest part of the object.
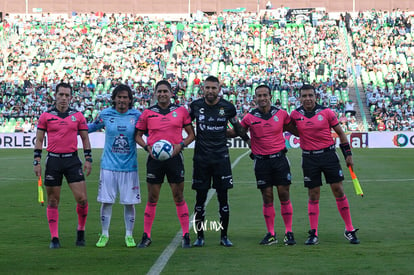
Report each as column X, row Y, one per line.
column 384, row 216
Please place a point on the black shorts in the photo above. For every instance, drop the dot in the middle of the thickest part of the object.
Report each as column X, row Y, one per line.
column 272, row 171
column 173, row 168
column 314, row 165
column 219, row 170
column 57, row 167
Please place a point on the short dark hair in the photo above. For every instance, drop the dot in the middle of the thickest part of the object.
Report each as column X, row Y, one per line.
column 307, row 87
column 63, row 85
column 120, row 88
column 263, row 86
column 163, row 82
column 212, row 78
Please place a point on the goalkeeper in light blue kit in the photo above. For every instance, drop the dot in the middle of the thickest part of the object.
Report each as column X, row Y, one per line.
column 119, row 166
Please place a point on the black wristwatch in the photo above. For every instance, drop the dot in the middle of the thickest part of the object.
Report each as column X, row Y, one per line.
column 36, row 162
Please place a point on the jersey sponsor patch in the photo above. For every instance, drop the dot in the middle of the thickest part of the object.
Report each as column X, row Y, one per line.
column 121, row 145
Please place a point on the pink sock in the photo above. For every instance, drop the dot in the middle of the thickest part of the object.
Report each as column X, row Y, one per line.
column 343, row 207
column 182, row 213
column 149, row 216
column 52, row 214
column 313, row 213
column 269, row 216
column 82, row 211
column 286, row 210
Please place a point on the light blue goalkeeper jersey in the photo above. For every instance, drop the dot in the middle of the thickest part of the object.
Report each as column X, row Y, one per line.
column 120, row 153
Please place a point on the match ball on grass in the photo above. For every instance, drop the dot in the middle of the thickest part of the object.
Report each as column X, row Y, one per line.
column 162, row 150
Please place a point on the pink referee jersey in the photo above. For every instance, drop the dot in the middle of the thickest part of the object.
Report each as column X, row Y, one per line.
column 315, row 129
column 62, row 130
column 266, row 130
column 164, row 124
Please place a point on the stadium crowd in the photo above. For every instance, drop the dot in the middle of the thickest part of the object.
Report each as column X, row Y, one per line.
column 95, row 52
column 384, row 47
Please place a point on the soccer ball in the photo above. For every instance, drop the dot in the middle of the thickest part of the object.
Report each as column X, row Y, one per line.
column 162, row 149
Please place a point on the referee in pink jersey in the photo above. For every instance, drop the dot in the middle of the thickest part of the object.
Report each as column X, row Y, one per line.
column 314, row 123
column 62, row 125
column 266, row 124
column 165, row 120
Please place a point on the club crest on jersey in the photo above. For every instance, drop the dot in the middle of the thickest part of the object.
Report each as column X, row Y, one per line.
column 73, row 118
column 174, row 114
column 221, row 112
column 275, row 118
column 320, row 117
column 132, row 121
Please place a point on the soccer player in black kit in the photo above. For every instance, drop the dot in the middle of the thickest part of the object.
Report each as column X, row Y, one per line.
column 211, row 155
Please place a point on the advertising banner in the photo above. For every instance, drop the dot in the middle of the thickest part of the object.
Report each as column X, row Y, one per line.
column 356, row 140
column 391, row 140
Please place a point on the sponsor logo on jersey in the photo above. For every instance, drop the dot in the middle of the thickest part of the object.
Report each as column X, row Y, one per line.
column 122, row 128
column 121, row 145
column 215, row 128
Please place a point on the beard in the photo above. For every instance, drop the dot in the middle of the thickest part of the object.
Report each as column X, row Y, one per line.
column 211, row 98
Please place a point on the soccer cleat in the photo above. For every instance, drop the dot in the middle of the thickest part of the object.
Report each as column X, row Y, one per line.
column 54, row 243
column 103, row 240
column 145, row 242
column 225, row 242
column 185, row 243
column 312, row 239
column 130, row 242
column 269, row 239
column 289, row 239
column 351, row 236
column 80, row 239
column 199, row 242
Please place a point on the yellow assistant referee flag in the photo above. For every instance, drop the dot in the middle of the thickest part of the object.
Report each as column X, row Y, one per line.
column 40, row 191
column 357, row 186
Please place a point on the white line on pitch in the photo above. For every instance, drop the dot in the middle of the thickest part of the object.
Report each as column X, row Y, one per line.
column 170, row 249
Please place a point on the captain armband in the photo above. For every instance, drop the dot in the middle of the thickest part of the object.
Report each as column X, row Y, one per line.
column 346, row 149
column 37, row 153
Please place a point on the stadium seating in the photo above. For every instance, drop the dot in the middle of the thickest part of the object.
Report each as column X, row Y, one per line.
column 222, row 52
